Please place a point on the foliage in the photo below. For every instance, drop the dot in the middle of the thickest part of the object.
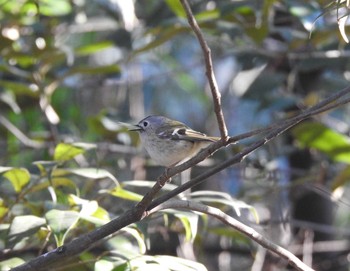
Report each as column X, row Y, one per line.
column 69, row 69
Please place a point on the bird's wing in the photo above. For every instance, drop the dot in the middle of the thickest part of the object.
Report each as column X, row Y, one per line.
column 184, row 133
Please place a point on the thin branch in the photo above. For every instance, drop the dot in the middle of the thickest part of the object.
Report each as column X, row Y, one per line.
column 209, row 69
column 239, row 226
column 19, row 135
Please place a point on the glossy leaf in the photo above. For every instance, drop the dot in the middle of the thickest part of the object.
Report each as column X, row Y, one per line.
column 65, row 151
column 176, row 7
column 125, row 194
column 11, row 263
column 24, row 226
column 90, row 210
column 55, row 8
column 61, row 222
column 320, row 137
column 19, row 177
column 224, row 199
column 93, row 48
column 137, row 235
column 88, row 173
column 190, row 223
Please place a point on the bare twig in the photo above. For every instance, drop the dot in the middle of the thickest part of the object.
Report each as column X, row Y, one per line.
column 209, row 70
column 239, row 226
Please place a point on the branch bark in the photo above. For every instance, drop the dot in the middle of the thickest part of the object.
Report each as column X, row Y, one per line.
column 239, row 226
column 209, row 70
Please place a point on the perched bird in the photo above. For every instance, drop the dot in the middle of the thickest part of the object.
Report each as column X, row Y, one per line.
column 169, row 142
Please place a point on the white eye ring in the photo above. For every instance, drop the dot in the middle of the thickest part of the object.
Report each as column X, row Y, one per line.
column 145, row 123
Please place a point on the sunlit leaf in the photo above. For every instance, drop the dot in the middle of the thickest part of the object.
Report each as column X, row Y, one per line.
column 318, row 136
column 88, row 173
column 90, row 210
column 24, row 226
column 176, row 7
column 104, row 265
column 224, row 199
column 65, row 151
column 342, row 23
column 18, row 177
column 54, row 8
column 11, row 263
column 176, row 263
column 93, row 48
column 189, row 222
column 148, row 184
column 125, row 194
column 61, row 222
column 137, row 235
column 207, row 15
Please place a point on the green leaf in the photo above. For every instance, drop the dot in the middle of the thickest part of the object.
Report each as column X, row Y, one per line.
column 55, row 182
column 190, row 223
column 104, row 265
column 65, row 151
column 137, row 235
column 107, row 69
column 24, row 226
column 90, row 210
column 45, row 166
column 11, row 263
column 55, row 8
column 19, row 88
column 208, row 15
column 61, row 222
column 225, row 199
column 18, row 177
column 320, row 137
column 124, row 194
column 89, row 173
column 147, row 184
column 176, row 263
column 93, row 48
column 176, row 7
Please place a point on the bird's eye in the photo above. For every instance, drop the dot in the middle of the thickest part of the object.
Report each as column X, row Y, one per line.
column 145, row 124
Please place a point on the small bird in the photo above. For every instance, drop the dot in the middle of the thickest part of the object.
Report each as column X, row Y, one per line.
column 170, row 142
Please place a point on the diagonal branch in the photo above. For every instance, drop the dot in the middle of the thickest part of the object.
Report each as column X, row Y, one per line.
column 239, row 226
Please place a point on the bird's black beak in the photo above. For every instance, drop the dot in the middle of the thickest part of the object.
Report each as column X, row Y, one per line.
column 135, row 128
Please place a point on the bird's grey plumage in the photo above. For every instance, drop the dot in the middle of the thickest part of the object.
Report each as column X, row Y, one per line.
column 169, row 142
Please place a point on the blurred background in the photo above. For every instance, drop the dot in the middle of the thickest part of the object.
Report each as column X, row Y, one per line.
column 70, row 70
